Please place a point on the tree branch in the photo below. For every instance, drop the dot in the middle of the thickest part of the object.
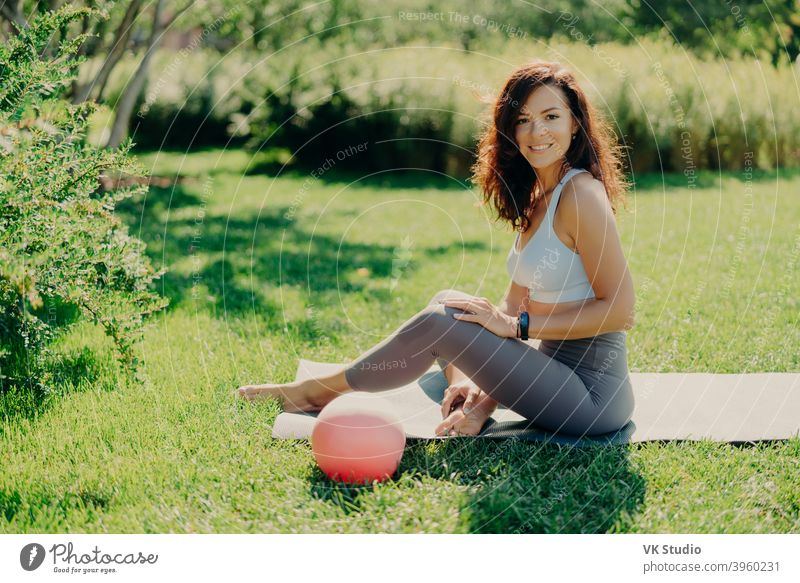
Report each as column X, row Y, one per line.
column 175, row 16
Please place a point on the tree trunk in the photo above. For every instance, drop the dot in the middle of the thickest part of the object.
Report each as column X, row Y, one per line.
column 127, row 100
column 85, row 22
column 121, row 38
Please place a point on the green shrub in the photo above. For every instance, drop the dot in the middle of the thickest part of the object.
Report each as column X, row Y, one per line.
column 63, row 253
column 426, row 105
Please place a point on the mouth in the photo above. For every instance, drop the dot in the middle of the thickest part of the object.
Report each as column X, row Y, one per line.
column 540, row 148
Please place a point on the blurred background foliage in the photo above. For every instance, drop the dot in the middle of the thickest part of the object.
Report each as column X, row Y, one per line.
column 685, row 85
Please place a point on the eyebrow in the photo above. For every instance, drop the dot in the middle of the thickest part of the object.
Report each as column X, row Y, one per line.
column 543, row 111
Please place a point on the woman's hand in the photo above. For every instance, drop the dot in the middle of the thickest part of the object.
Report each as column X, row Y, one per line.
column 464, row 392
column 484, row 313
column 464, row 409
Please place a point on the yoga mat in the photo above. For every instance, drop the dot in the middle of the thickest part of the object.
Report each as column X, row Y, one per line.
column 668, row 406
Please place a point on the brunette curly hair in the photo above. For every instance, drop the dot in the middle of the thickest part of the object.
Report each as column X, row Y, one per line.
column 507, row 179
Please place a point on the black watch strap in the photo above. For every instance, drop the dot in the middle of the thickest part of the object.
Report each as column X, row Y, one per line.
column 523, row 325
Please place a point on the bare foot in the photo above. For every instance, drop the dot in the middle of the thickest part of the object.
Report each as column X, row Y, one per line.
column 296, row 397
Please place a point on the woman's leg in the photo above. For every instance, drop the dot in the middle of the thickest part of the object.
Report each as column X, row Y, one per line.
column 314, row 393
column 454, row 293
column 522, row 378
column 439, row 298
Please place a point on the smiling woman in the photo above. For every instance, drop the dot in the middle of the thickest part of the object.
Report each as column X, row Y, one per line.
column 571, row 274
column 543, row 125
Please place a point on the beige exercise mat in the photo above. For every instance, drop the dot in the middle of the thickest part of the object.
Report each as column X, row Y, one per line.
column 669, row 406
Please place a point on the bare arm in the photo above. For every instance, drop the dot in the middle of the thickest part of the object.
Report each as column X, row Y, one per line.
column 588, row 212
column 516, row 300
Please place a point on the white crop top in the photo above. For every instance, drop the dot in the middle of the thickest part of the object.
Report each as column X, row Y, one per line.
column 552, row 272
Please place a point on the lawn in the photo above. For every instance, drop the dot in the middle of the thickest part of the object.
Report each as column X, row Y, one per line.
column 264, row 270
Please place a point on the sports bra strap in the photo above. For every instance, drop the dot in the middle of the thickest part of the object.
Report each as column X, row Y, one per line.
column 551, row 209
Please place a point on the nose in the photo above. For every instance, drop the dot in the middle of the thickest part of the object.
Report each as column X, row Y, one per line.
column 536, row 129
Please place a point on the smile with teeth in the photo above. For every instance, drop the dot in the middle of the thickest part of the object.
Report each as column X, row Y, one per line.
column 540, row 148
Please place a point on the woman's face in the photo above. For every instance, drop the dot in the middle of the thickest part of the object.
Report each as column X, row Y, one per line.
column 544, row 127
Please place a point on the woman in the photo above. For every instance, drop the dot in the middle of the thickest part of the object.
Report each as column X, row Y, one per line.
column 548, row 166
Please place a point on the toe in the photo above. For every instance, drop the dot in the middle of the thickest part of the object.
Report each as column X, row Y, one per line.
column 248, row 393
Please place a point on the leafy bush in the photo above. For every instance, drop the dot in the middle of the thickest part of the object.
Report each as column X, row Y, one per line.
column 426, row 105
column 63, row 252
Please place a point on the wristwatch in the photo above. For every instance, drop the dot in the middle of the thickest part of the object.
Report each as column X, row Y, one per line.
column 522, row 326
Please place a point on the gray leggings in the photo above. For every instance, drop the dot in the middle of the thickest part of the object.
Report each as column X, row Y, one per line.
column 576, row 387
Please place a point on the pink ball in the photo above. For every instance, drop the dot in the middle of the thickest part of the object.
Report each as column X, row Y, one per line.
column 354, row 442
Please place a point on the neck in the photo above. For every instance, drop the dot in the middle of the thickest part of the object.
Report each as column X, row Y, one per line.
column 548, row 177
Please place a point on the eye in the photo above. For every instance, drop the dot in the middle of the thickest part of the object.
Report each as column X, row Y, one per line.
column 552, row 115
column 521, row 120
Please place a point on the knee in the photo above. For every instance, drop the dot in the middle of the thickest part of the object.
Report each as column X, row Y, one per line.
column 439, row 296
column 434, row 316
column 439, row 316
column 433, row 311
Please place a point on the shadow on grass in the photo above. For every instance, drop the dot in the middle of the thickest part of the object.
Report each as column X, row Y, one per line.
column 148, row 214
column 91, row 500
column 552, row 489
column 394, row 178
column 63, row 374
column 519, row 487
column 233, row 265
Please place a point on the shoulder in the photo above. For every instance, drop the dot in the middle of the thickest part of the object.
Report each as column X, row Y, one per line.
column 584, row 198
column 584, row 189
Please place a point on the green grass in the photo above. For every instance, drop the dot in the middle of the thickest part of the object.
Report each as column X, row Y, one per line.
column 254, row 288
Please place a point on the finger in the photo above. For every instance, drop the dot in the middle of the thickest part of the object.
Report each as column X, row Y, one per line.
column 468, row 403
column 445, row 407
column 454, row 394
column 473, row 398
column 460, row 303
column 465, row 310
column 464, row 317
column 457, row 402
column 447, row 403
